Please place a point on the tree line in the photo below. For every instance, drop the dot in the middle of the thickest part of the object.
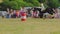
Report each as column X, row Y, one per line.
column 17, row 4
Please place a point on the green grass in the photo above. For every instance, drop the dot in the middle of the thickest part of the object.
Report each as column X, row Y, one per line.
column 57, row 32
column 31, row 26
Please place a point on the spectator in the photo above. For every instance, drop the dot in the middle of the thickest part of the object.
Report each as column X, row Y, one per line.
column 49, row 11
column 57, row 13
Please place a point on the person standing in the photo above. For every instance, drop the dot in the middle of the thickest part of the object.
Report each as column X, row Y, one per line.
column 23, row 14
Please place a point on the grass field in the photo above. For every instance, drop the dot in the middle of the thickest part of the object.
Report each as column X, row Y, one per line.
column 31, row 26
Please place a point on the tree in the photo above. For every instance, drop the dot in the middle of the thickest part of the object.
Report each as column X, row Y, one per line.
column 33, row 2
column 16, row 4
column 53, row 3
column 42, row 1
column 4, row 5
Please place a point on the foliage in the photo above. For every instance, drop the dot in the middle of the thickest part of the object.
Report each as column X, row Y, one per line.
column 16, row 4
column 53, row 3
